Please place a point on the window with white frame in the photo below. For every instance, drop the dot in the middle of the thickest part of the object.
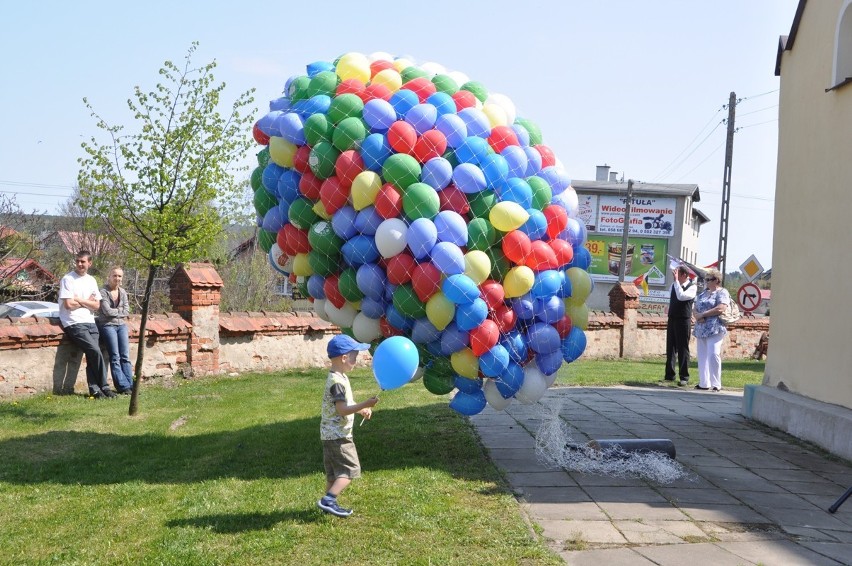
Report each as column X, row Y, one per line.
column 843, row 46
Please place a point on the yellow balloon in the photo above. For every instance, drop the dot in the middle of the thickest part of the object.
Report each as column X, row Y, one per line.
column 581, row 283
column 507, row 216
column 401, row 64
column 353, row 66
column 579, row 315
column 389, row 78
column 477, row 266
column 465, row 363
column 518, row 281
column 365, row 187
column 440, row 310
column 495, row 114
column 319, row 208
column 301, row 267
column 281, row 152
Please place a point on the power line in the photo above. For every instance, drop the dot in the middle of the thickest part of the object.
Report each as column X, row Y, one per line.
column 28, row 193
column 37, row 185
column 758, row 124
column 761, row 110
column 759, row 95
column 666, row 169
column 711, row 154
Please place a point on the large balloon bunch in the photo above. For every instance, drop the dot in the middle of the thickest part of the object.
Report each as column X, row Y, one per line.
column 409, row 201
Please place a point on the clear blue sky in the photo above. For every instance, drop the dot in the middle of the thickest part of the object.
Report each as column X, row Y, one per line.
column 638, row 85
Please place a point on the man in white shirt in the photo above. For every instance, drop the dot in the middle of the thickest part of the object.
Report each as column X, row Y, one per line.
column 677, row 330
column 79, row 298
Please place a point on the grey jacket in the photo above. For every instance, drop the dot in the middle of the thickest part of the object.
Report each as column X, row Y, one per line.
column 112, row 314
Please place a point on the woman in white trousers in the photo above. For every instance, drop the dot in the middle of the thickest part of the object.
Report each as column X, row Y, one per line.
column 709, row 330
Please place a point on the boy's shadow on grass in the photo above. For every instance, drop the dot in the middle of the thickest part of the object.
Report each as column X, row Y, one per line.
column 230, row 523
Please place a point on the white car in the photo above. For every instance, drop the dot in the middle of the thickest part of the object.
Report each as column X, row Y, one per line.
column 25, row 309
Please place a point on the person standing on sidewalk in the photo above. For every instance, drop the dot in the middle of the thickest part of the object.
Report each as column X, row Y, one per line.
column 709, row 330
column 79, row 299
column 678, row 328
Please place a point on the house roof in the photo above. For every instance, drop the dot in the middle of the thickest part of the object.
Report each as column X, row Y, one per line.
column 701, row 216
column 785, row 42
column 13, row 265
column 661, row 189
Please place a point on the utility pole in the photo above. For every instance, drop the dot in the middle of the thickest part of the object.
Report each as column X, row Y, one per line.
column 622, row 266
column 726, row 187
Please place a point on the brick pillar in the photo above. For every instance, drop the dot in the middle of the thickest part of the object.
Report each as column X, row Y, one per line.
column 624, row 302
column 195, row 290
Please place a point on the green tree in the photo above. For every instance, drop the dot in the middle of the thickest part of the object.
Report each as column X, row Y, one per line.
column 166, row 191
column 19, row 241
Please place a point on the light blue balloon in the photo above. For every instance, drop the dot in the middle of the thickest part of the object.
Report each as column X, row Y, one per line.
column 424, row 331
column 467, row 385
column 565, row 285
column 516, row 159
column 522, row 133
column 442, row 102
column 422, row 117
column 515, row 190
column 371, row 281
column 473, row 314
column 360, row 250
column 402, row 101
column 543, row 338
column 315, row 286
column 460, row 289
column 549, row 363
column 494, row 362
column 451, row 227
column 367, row 221
column 421, row 237
column 281, row 104
column 574, row 233
column 379, row 115
column 468, row 404
column 288, row 186
column 533, row 161
column 511, row 379
column 573, row 345
column 453, row 339
column 374, row 151
column 395, row 362
column 546, row 284
column 318, row 67
column 469, row 178
column 536, row 225
column 292, row 128
column 476, row 121
column 343, row 222
column 273, row 220
column 269, row 178
column 437, row 173
column 549, row 309
column 373, row 308
column 453, row 128
column 268, row 123
column 317, row 104
column 496, row 170
column 448, row 258
column 472, row 150
column 556, row 177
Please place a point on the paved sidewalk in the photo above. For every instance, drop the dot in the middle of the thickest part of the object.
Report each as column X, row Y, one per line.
column 756, row 496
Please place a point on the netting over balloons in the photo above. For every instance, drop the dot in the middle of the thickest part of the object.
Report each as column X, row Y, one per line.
column 409, row 201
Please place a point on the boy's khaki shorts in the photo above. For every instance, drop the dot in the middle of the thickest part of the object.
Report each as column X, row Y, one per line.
column 341, row 459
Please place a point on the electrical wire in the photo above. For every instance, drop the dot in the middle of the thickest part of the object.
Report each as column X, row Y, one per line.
column 667, row 167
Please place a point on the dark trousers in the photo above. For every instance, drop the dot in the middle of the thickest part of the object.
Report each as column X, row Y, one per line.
column 86, row 337
column 677, row 348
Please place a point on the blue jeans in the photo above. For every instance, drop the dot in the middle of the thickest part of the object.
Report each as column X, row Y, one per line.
column 118, row 346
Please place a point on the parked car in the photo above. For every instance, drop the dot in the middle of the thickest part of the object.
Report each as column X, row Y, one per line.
column 25, row 309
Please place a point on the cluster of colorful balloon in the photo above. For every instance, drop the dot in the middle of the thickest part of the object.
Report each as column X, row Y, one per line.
column 409, row 201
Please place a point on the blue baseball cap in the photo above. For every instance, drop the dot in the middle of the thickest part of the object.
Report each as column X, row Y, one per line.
column 343, row 344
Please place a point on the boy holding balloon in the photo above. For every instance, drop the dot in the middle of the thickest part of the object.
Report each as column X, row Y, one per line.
column 338, row 417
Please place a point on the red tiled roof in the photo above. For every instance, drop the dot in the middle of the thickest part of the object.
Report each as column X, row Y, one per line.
column 200, row 274
column 10, row 266
column 237, row 322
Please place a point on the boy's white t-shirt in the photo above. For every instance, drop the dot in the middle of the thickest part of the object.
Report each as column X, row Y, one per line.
column 74, row 285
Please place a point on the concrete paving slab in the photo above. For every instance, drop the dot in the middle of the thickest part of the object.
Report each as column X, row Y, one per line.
column 533, row 494
column 682, row 496
column 541, row 479
column 631, row 494
column 577, row 532
column 701, row 554
column 781, row 552
column 609, row 556
column 577, row 511
column 778, row 499
column 644, row 511
column 658, row 532
column 722, row 513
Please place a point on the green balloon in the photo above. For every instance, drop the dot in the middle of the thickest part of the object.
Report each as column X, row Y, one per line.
column 401, row 170
column 349, row 134
column 322, row 159
column 407, row 302
column 323, row 265
column 323, row 83
column 450, row 156
column 445, row 84
column 299, row 88
column 346, row 105
column 438, row 383
column 412, row 72
column 266, row 239
column 532, row 128
column 420, row 200
column 323, row 239
column 348, row 286
column 263, row 157
column 301, row 213
column 480, row 234
column 481, row 203
column 500, row 266
column 541, row 192
column 318, row 129
column 477, row 88
column 257, row 178
column 263, row 201
column 302, row 286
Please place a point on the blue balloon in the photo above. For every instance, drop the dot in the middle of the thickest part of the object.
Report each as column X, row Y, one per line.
column 516, row 159
column 292, row 128
column 367, row 221
column 397, row 319
column 379, row 115
column 556, row 177
column 573, row 345
column 574, row 233
column 359, row 250
column 469, row 178
column 343, row 222
column 317, row 104
column 371, row 281
column 318, row 67
column 471, row 315
column 453, row 339
column 437, row 173
column 453, row 128
column 546, row 283
column 494, row 362
column 268, row 123
column 582, row 259
column 374, row 151
column 281, row 103
column 466, row 385
column 476, row 121
column 549, row 310
column 421, row 237
column 533, row 161
column 515, row 190
column 448, row 258
column 549, row 363
column 472, row 150
column 510, row 380
column 543, row 338
column 536, row 225
column 424, row 332
column 395, row 362
column 451, row 227
column 273, row 220
column 516, row 345
column 434, row 348
column 373, row 308
column 565, row 285
column 496, row 170
column 468, row 403
column 460, row 289
column 315, row 286
column 442, row 102
column 422, row 117
column 288, row 186
column 271, row 174
column 522, row 133
column 523, row 307
column 402, row 101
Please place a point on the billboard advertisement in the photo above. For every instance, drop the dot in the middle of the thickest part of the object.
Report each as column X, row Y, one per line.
column 649, row 216
column 644, row 255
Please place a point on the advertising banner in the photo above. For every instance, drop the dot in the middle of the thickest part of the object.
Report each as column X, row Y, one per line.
column 649, row 216
column 644, row 255
column 587, row 212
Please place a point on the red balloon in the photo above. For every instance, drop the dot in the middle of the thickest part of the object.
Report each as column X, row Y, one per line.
column 451, row 198
column 547, row 157
column 292, row 278
column 516, row 247
column 399, row 269
column 293, row 241
column 259, row 136
column 300, row 159
column 347, row 166
column 557, row 219
column 563, row 250
column 379, row 65
column 464, row 99
column 492, row 293
column 388, row 202
column 388, row 329
column 375, row 91
column 563, row 326
column 333, row 194
column 332, row 291
column 402, row 137
column 350, row 86
column 484, row 337
column 430, row 145
column 422, row 87
column 505, row 318
column 502, row 137
column 426, row 280
column 309, row 185
column 541, row 257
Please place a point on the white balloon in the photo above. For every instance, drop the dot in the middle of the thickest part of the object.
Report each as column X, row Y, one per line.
column 390, row 237
column 533, row 387
column 505, row 103
column 493, row 396
column 366, row 329
column 433, row 68
column 319, row 308
column 550, row 379
column 380, row 56
column 459, row 77
column 568, row 197
column 342, row 317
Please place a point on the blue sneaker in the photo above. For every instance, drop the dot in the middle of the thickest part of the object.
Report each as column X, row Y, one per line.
column 331, row 506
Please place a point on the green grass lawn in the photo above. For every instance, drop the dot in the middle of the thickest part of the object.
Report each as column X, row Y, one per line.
column 228, row 471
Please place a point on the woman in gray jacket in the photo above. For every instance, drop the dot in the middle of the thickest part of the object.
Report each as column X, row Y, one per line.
column 110, row 318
